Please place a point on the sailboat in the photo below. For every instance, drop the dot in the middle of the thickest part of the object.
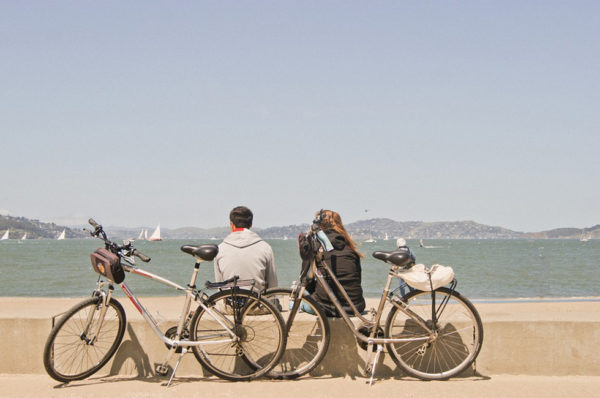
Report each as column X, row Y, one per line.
column 5, row 236
column 370, row 240
column 155, row 235
column 584, row 237
column 61, row 236
column 143, row 235
column 24, row 236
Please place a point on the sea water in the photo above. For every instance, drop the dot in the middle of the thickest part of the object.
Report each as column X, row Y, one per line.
column 484, row 269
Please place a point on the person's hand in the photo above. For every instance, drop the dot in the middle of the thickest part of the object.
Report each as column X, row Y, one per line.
column 304, row 247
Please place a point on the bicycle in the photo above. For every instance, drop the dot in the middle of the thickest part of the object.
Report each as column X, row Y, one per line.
column 234, row 333
column 432, row 334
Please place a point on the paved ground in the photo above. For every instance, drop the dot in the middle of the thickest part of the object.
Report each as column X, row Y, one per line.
column 486, row 387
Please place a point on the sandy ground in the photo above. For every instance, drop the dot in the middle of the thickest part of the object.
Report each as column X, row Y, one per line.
column 487, row 387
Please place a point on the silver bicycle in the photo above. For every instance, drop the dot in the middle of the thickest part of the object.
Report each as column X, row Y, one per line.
column 234, row 333
column 431, row 335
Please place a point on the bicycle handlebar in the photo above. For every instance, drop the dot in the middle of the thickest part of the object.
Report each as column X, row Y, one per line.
column 141, row 256
column 114, row 247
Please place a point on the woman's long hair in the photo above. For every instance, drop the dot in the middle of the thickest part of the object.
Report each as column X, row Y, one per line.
column 333, row 221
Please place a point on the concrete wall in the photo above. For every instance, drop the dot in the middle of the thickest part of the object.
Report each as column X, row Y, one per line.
column 523, row 344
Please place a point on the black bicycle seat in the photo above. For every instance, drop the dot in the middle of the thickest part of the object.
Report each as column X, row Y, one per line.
column 203, row 252
column 401, row 258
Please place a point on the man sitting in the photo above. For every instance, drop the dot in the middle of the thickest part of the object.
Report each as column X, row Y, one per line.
column 244, row 253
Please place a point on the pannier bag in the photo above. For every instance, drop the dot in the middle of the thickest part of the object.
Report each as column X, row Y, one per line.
column 418, row 277
column 108, row 264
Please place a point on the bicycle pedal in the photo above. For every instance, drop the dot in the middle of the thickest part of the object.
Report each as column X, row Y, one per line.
column 161, row 370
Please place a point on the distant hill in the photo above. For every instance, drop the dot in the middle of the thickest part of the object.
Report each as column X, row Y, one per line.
column 35, row 229
column 427, row 230
column 566, row 233
column 378, row 228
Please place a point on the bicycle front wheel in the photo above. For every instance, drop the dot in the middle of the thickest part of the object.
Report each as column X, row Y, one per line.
column 454, row 345
column 307, row 336
column 73, row 350
column 243, row 335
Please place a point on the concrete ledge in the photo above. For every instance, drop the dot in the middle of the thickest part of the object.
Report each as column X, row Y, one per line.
column 552, row 339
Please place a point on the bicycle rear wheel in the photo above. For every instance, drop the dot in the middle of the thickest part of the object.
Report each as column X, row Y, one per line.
column 307, row 337
column 458, row 334
column 259, row 335
column 73, row 351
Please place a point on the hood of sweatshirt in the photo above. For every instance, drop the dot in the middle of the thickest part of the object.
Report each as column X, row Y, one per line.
column 241, row 239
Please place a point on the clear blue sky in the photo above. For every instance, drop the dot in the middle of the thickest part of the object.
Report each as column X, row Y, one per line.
column 139, row 113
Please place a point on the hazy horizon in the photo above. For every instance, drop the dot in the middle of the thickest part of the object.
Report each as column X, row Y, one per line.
column 262, row 227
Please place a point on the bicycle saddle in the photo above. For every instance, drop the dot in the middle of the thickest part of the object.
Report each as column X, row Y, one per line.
column 401, row 258
column 203, row 252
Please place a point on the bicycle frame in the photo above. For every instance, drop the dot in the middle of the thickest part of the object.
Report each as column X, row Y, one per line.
column 374, row 323
column 191, row 295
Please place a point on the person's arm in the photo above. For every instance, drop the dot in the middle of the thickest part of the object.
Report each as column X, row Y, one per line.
column 218, row 274
column 271, row 274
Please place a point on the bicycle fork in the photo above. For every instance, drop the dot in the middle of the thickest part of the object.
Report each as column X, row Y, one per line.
column 105, row 298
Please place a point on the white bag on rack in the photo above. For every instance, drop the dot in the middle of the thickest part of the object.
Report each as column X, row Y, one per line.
column 417, row 276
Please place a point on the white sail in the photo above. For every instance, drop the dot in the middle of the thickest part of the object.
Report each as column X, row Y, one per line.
column 146, row 234
column 5, row 236
column 155, row 235
column 141, row 236
column 24, row 236
column 61, row 236
column 370, row 240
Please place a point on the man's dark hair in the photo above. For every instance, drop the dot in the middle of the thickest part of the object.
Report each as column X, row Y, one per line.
column 241, row 217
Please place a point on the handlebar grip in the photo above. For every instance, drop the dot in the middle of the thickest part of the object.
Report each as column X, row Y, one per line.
column 141, row 256
column 93, row 223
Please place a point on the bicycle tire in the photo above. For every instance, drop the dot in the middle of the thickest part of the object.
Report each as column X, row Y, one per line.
column 307, row 339
column 67, row 354
column 459, row 336
column 257, row 324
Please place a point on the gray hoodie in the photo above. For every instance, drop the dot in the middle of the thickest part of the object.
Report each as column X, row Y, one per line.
column 245, row 254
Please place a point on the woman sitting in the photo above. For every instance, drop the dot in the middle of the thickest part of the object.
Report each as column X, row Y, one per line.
column 344, row 262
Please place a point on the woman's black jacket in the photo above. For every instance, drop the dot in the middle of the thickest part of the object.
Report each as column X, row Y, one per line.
column 345, row 264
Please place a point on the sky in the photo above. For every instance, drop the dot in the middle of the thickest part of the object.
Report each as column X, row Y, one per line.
column 173, row 112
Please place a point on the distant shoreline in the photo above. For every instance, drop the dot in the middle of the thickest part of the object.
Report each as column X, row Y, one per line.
column 375, row 228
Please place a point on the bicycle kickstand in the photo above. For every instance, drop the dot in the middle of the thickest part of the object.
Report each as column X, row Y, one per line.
column 184, row 350
column 379, row 349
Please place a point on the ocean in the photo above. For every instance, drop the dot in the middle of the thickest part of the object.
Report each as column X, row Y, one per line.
column 484, row 269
